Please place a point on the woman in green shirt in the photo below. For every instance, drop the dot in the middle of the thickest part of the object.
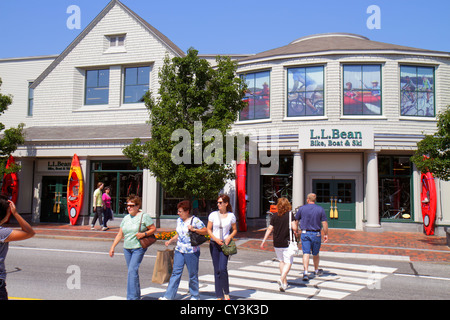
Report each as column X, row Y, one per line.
column 134, row 253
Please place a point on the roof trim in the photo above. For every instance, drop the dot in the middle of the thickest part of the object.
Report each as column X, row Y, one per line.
column 91, row 25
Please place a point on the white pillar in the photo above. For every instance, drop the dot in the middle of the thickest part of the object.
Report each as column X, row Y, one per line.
column 372, row 213
column 297, row 180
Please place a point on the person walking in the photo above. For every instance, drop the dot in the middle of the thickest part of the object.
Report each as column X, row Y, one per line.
column 107, row 211
column 279, row 225
column 97, row 203
column 220, row 223
column 312, row 219
column 185, row 253
column 130, row 228
column 7, row 208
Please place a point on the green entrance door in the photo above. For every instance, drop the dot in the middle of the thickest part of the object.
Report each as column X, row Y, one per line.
column 54, row 200
column 337, row 197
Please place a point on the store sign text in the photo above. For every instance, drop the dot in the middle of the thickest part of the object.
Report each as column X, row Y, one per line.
column 336, row 137
column 58, row 165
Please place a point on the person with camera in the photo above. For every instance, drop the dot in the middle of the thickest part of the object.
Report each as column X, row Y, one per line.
column 7, row 208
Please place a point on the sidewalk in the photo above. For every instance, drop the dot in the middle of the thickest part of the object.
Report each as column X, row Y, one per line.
column 410, row 246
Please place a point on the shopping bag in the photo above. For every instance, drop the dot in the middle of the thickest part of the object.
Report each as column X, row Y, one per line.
column 163, row 266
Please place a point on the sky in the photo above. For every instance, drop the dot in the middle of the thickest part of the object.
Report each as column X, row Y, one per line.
column 36, row 28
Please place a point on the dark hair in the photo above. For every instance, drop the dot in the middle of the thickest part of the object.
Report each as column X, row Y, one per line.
column 4, row 206
column 226, row 199
column 283, row 206
column 135, row 199
column 185, row 205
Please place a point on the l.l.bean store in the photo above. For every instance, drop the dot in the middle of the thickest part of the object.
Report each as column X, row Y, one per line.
column 346, row 114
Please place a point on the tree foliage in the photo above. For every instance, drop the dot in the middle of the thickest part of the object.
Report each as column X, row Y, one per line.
column 437, row 149
column 10, row 139
column 191, row 92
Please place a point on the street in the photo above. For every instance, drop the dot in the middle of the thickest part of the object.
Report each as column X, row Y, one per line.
column 54, row 269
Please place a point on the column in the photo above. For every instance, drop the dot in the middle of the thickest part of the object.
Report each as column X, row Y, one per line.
column 297, row 180
column 371, row 198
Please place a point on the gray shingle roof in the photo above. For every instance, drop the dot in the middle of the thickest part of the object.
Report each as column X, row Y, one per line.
column 91, row 133
column 331, row 42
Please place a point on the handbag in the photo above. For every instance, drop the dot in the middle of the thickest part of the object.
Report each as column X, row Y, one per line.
column 229, row 249
column 163, row 266
column 196, row 239
column 146, row 241
column 293, row 245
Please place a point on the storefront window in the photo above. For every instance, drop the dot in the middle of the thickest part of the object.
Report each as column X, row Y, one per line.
column 417, row 91
column 121, row 177
column 394, row 188
column 257, row 96
column 278, row 185
column 200, row 208
column 305, row 92
column 362, row 90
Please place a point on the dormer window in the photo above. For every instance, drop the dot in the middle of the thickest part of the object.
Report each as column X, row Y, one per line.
column 115, row 43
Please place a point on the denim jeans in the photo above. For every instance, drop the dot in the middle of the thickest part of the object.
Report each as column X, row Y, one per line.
column 133, row 258
column 311, row 242
column 3, row 292
column 191, row 261
column 220, row 263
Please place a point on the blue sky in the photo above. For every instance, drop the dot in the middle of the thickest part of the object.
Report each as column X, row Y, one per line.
column 33, row 28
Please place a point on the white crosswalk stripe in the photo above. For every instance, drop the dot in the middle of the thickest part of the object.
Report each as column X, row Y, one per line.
column 259, row 282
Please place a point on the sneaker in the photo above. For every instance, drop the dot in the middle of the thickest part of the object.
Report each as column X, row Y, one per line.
column 105, row 228
column 280, row 285
column 92, row 228
column 162, row 298
column 305, row 277
column 318, row 272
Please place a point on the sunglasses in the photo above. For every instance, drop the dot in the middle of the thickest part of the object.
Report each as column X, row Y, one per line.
column 131, row 205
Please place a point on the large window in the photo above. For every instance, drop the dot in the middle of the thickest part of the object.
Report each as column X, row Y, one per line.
column 257, row 96
column 417, row 91
column 97, row 87
column 275, row 186
column 394, row 185
column 362, row 90
column 137, row 81
column 305, row 92
column 123, row 179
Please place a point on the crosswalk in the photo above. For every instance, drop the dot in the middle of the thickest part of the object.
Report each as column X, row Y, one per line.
column 259, row 282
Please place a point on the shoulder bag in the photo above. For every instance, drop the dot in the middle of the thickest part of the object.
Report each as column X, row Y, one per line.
column 196, row 239
column 229, row 249
column 293, row 245
column 146, row 241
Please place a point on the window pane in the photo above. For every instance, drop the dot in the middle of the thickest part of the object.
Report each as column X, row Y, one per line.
column 130, row 76
column 135, row 94
column 97, row 95
column 417, row 91
column 257, row 96
column 103, row 78
column 91, row 78
column 362, row 90
column 143, row 75
column 305, row 91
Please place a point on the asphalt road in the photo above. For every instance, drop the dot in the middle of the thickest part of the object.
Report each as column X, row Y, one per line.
column 52, row 269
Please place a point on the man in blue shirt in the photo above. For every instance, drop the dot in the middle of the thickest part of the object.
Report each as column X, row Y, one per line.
column 312, row 219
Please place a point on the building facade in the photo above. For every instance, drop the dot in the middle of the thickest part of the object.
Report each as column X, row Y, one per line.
column 339, row 115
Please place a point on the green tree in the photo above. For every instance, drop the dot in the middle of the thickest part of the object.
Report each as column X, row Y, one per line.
column 437, row 148
column 193, row 98
column 10, row 139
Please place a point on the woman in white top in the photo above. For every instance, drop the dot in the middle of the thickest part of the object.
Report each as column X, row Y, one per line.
column 220, row 224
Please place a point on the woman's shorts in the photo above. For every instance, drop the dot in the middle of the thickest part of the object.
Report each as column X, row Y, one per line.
column 282, row 255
